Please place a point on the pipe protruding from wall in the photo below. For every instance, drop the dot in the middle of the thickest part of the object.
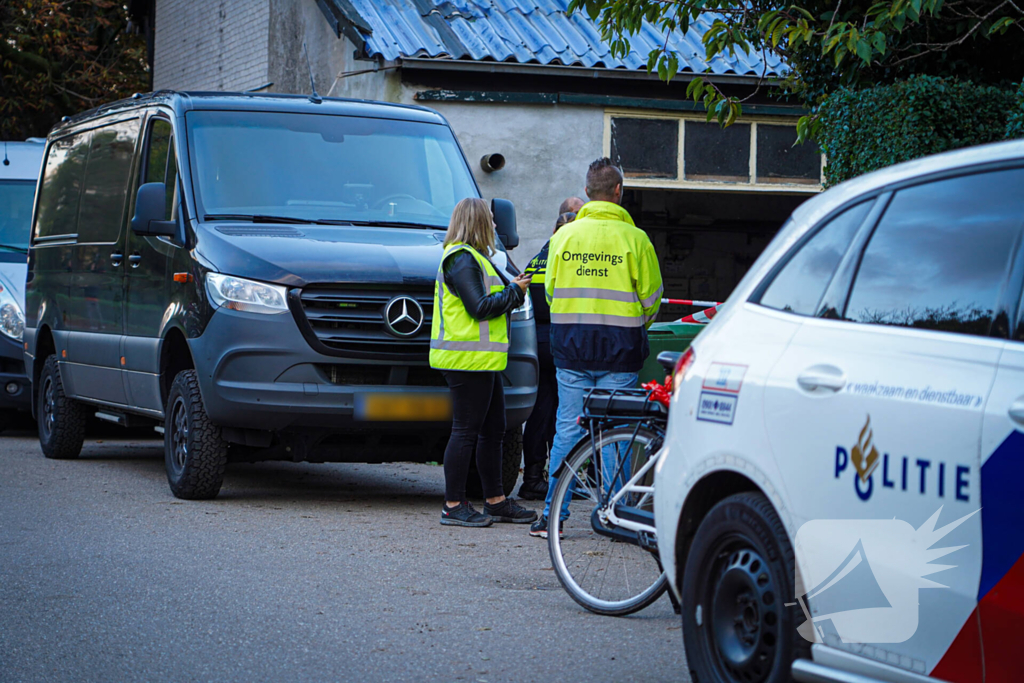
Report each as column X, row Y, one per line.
column 492, row 162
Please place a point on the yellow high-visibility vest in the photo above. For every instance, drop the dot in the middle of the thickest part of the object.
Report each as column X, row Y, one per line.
column 457, row 340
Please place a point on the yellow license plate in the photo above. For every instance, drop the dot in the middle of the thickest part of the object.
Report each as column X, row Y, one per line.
column 396, row 407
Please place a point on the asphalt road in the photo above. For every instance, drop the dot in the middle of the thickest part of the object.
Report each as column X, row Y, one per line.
column 296, row 572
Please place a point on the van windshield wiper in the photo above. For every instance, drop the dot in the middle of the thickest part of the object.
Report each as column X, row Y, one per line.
column 383, row 224
column 11, row 247
column 255, row 218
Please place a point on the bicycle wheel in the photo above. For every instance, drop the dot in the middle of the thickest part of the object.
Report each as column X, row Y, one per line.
column 606, row 575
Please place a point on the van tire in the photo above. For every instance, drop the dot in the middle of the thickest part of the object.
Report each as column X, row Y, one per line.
column 511, row 460
column 195, row 455
column 61, row 420
column 741, row 560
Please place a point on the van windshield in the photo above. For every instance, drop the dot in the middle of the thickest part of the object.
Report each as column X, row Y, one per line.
column 16, row 197
column 312, row 167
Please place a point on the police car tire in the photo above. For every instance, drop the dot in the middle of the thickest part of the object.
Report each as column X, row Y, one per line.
column 200, row 474
column 511, row 459
column 742, row 519
column 67, row 434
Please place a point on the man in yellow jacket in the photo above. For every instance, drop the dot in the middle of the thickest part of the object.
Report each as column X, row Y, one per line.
column 604, row 287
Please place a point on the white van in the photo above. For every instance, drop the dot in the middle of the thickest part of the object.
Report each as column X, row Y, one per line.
column 840, row 494
column 19, row 171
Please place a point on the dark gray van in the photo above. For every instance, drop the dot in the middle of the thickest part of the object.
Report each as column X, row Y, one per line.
column 253, row 275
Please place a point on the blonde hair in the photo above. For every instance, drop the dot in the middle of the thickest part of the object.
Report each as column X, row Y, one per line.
column 472, row 224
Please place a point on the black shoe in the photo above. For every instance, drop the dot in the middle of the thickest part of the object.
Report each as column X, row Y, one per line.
column 464, row 515
column 508, row 511
column 539, row 529
column 533, row 490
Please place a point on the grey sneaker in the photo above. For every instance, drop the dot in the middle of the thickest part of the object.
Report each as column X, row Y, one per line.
column 464, row 515
column 510, row 511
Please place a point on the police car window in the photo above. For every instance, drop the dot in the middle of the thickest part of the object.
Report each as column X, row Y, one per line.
column 801, row 283
column 105, row 187
column 61, row 188
column 939, row 255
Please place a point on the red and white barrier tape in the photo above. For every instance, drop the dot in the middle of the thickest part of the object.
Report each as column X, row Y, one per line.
column 690, row 302
column 703, row 317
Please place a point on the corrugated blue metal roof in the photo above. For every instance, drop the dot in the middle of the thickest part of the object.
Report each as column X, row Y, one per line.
column 526, row 32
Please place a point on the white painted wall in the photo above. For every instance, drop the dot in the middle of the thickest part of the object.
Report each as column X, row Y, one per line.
column 211, row 45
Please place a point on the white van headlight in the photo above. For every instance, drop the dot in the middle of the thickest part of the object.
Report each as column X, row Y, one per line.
column 524, row 312
column 12, row 319
column 240, row 294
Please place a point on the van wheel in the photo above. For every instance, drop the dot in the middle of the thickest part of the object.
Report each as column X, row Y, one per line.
column 61, row 419
column 195, row 455
column 511, row 459
column 738, row 578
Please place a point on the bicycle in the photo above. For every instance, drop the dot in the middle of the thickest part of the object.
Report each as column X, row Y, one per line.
column 606, row 487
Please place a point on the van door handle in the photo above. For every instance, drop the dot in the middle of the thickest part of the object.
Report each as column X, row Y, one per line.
column 1016, row 411
column 134, row 260
column 818, row 377
column 115, row 259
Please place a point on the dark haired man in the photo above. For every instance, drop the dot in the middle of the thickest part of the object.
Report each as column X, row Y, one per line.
column 539, row 431
column 604, row 287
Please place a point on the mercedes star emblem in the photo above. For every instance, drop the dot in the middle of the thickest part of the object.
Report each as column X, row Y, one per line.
column 403, row 316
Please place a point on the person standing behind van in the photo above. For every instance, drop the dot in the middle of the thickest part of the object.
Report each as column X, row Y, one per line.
column 604, row 287
column 469, row 343
column 539, row 431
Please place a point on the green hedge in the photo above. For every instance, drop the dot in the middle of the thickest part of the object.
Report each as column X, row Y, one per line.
column 1015, row 126
column 864, row 130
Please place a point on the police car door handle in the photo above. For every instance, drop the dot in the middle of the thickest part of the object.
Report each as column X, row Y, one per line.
column 821, row 377
column 1016, row 410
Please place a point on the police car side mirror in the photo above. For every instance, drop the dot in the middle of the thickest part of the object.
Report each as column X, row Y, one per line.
column 505, row 220
column 150, row 209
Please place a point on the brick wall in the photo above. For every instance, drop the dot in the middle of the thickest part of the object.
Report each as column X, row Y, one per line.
column 211, row 44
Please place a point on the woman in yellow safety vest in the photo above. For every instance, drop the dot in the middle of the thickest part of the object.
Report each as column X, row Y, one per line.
column 469, row 344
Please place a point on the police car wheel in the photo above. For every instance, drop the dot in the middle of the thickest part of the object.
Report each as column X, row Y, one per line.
column 738, row 578
column 195, row 455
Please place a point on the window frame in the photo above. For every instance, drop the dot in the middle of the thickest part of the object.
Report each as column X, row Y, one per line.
column 681, row 183
column 138, row 177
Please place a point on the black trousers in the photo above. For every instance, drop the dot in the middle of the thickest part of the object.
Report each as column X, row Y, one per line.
column 478, row 426
column 539, row 432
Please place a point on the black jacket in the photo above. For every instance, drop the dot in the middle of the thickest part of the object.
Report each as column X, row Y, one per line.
column 464, row 278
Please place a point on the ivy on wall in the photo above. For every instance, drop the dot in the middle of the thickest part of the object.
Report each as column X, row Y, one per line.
column 864, row 130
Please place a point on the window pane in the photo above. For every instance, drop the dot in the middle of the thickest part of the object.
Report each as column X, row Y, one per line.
column 160, row 164
column 646, row 148
column 106, row 182
column 715, row 153
column 16, row 211
column 939, row 254
column 62, row 186
column 779, row 161
column 801, row 283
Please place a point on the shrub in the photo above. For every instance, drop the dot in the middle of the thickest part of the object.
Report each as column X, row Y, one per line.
column 864, row 130
column 1015, row 126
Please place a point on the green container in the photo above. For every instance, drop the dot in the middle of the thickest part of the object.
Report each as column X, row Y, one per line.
column 666, row 337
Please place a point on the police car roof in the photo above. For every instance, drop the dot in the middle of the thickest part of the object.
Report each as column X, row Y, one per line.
column 234, row 101
column 24, row 157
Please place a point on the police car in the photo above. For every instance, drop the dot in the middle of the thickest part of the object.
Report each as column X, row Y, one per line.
column 840, row 494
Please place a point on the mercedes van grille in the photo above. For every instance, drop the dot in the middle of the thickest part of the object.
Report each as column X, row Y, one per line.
column 342, row 321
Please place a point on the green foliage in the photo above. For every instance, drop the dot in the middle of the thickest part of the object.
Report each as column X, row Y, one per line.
column 864, row 130
column 1015, row 126
column 827, row 44
column 58, row 58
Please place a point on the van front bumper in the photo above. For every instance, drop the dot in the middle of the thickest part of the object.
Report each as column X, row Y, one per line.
column 257, row 372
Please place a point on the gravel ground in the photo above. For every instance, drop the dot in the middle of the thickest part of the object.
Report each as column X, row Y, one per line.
column 295, row 572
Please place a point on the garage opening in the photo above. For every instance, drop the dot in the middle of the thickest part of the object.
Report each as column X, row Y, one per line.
column 706, row 240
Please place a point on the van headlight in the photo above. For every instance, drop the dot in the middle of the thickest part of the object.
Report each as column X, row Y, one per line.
column 240, row 294
column 12, row 319
column 524, row 312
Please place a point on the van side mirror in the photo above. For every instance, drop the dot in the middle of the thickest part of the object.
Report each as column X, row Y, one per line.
column 150, row 209
column 505, row 220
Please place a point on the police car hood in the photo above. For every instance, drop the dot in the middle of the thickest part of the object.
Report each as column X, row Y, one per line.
column 298, row 255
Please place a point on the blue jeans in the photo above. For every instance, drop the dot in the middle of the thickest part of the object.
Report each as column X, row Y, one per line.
column 572, row 387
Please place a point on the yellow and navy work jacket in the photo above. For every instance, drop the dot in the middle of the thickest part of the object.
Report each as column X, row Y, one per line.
column 604, row 287
column 541, row 312
column 458, row 341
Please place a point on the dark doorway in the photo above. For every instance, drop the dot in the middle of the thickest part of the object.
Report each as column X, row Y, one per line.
column 706, row 241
